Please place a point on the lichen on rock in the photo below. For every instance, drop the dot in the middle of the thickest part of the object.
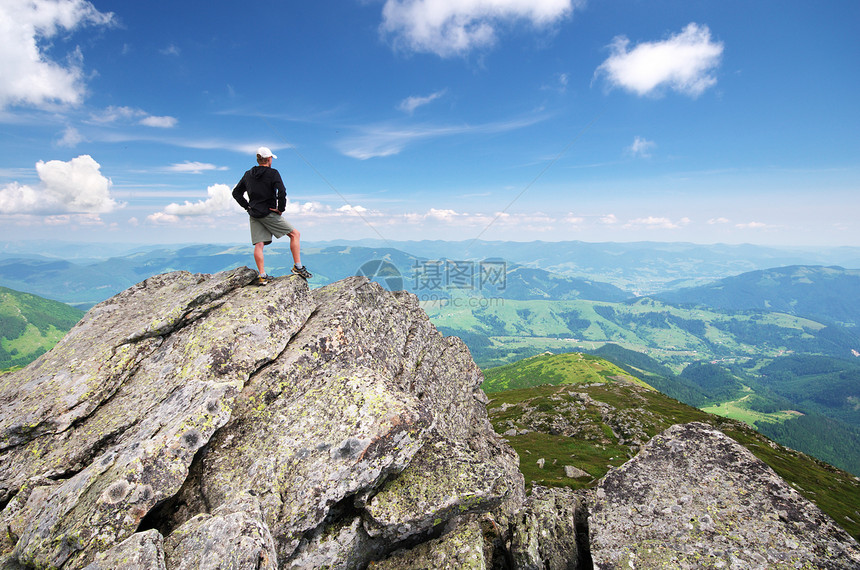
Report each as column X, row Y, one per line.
column 551, row 531
column 194, row 419
column 695, row 498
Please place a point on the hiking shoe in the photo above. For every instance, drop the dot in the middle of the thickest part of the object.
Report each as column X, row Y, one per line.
column 262, row 280
column 302, row 272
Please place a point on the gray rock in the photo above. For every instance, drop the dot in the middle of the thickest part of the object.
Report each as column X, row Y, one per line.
column 575, row 472
column 465, row 546
column 140, row 551
column 193, row 422
column 551, row 532
column 343, row 545
column 249, row 424
column 233, row 536
column 133, row 447
column 443, row 481
column 694, row 498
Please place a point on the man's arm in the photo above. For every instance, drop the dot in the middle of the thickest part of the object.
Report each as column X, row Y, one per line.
column 239, row 194
column 282, row 193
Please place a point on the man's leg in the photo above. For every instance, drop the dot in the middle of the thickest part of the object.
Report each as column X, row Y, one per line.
column 258, row 257
column 295, row 247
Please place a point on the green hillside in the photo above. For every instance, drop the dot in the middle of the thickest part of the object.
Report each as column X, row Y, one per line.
column 556, row 369
column 504, row 330
column 807, row 402
column 30, row 326
column 822, row 293
column 593, row 425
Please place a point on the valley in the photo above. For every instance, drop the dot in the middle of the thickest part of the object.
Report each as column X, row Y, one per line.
column 674, row 335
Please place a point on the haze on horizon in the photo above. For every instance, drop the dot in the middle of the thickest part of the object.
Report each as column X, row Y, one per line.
column 434, row 119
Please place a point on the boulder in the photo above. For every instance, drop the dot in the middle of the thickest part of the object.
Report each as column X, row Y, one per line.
column 466, row 545
column 140, row 551
column 233, row 536
column 194, row 419
column 695, row 498
column 575, row 472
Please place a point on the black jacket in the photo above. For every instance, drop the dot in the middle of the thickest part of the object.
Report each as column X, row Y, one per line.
column 265, row 190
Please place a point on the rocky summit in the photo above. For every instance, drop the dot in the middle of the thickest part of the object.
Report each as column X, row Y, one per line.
column 195, row 421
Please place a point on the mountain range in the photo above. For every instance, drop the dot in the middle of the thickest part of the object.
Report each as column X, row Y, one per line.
column 775, row 347
column 638, row 268
column 817, row 292
column 87, row 281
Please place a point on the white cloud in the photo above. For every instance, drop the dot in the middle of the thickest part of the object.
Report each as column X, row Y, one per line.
column 76, row 186
column 409, row 104
column 15, row 199
column 30, row 77
column 61, row 220
column 159, row 122
column 160, row 218
column 609, row 219
column 442, row 214
column 193, row 167
column 71, row 138
column 754, row 226
column 684, row 63
column 559, row 83
column 129, row 115
column 219, row 203
column 170, row 50
column 656, row 223
column 115, row 114
column 67, row 219
column 715, row 221
column 380, row 141
column 88, row 220
column 353, row 210
column 641, row 147
column 533, row 221
column 455, row 27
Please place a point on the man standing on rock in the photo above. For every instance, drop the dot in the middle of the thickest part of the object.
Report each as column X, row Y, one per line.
column 267, row 200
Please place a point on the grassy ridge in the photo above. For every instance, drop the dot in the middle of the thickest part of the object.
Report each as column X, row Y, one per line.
column 593, row 426
column 568, row 368
column 30, row 326
column 673, row 335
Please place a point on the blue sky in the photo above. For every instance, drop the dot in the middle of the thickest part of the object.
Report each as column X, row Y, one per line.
column 686, row 120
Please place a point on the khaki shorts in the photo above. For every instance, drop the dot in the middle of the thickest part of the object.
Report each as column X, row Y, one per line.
column 262, row 229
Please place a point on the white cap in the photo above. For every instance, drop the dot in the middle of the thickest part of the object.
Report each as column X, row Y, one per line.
column 264, row 152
